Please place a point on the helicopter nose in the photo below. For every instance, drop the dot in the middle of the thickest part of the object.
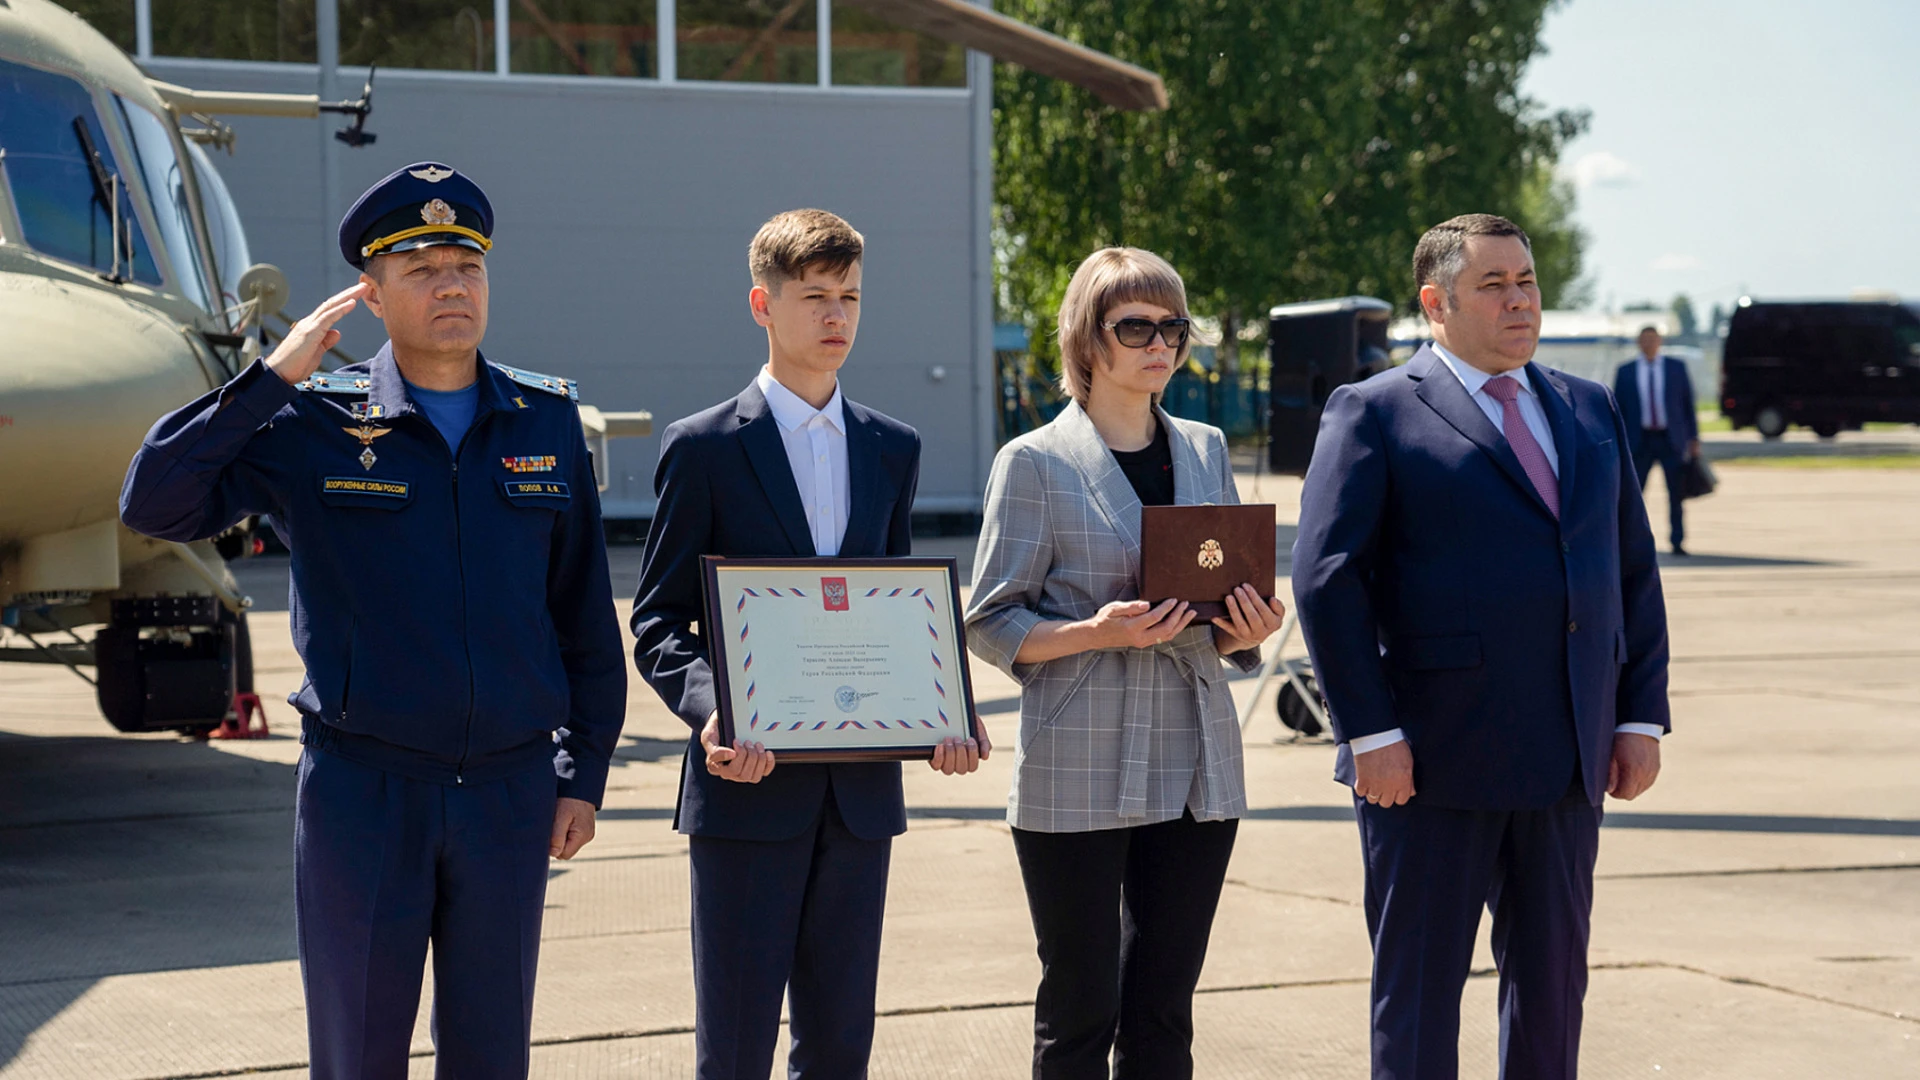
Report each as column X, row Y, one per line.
column 84, row 372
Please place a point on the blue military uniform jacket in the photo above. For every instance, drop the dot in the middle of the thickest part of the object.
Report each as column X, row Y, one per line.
column 452, row 604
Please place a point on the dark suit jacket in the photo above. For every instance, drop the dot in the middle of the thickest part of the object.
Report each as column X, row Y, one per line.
column 1438, row 594
column 725, row 488
column 1683, row 424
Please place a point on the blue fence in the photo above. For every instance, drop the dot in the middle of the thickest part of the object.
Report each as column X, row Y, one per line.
column 1236, row 405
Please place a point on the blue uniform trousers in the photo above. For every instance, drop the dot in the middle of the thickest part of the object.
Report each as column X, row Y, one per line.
column 1654, row 446
column 1429, row 870
column 773, row 917
column 383, row 864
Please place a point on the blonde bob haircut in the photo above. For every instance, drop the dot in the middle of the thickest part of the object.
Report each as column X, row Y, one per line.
column 1108, row 278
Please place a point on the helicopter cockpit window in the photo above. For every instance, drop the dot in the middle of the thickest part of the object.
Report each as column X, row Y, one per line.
column 231, row 256
column 172, row 208
column 60, row 170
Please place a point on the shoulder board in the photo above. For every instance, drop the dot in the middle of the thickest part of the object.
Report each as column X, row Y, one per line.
column 552, row 384
column 336, row 384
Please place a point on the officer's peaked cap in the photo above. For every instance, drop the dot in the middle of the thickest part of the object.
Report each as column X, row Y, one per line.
column 423, row 205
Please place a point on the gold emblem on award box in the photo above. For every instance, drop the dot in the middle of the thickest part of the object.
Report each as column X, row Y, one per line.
column 1211, row 557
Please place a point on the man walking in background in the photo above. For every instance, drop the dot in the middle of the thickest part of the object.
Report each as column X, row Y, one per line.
column 1656, row 398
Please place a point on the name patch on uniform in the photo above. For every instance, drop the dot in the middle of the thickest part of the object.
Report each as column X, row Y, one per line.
column 354, row 485
column 534, row 489
column 534, row 463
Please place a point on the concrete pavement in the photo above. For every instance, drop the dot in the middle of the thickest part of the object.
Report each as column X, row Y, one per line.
column 1758, row 912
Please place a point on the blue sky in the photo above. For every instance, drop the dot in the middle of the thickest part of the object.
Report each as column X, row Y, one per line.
column 1767, row 147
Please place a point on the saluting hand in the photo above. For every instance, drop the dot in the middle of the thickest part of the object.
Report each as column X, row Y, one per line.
column 957, row 757
column 298, row 354
column 744, row 762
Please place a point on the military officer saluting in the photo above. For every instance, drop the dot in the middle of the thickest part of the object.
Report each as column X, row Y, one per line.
column 465, row 678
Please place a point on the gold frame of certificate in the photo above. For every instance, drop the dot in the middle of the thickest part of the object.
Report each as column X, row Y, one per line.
column 838, row 659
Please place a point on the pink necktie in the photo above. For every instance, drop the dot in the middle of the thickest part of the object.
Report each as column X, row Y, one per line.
column 1506, row 391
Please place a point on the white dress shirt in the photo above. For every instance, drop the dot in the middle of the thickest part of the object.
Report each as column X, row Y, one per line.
column 816, row 443
column 1531, row 410
column 1653, row 388
column 1535, row 418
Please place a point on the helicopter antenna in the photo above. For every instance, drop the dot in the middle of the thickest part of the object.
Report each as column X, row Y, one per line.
column 356, row 134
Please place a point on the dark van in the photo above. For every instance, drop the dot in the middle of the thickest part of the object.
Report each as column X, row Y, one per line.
column 1831, row 366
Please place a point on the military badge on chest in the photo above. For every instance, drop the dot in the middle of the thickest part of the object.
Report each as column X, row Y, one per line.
column 366, row 413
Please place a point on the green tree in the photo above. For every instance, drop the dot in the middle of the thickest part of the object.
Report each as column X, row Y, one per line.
column 1683, row 315
column 1545, row 209
column 1307, row 147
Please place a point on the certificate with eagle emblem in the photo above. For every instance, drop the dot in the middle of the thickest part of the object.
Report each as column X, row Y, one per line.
column 838, row 659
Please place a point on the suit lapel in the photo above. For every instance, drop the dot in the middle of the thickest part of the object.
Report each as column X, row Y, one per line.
column 1444, row 394
column 1105, row 481
column 760, row 435
column 863, row 482
column 1557, row 402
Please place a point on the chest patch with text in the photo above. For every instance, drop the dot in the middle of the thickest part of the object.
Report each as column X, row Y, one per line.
column 357, row 485
column 519, row 490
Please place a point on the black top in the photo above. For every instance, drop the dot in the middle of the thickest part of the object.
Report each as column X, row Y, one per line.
column 1150, row 470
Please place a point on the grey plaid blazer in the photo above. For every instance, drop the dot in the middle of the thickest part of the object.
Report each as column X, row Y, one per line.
column 1114, row 737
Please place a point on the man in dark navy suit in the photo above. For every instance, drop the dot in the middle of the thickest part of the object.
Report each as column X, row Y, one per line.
column 790, row 863
column 1656, row 399
column 1476, row 581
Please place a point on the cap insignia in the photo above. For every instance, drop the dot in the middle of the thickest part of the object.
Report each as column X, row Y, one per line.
column 437, row 212
column 432, row 174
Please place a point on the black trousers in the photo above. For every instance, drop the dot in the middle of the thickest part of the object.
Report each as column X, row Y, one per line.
column 1122, row 918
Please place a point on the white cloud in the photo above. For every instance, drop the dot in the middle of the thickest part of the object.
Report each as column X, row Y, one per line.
column 1673, row 262
column 1603, row 169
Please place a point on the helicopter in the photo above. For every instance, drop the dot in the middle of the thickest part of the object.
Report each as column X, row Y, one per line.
column 126, row 289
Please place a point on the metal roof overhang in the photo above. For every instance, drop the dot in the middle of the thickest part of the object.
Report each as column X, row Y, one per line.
column 1115, row 82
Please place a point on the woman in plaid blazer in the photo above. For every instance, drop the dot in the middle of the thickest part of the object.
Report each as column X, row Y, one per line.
column 1127, row 781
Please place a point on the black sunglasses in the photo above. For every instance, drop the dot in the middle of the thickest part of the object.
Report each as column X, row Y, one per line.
column 1137, row 333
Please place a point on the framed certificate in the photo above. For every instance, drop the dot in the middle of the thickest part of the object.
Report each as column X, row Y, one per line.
column 838, row 659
